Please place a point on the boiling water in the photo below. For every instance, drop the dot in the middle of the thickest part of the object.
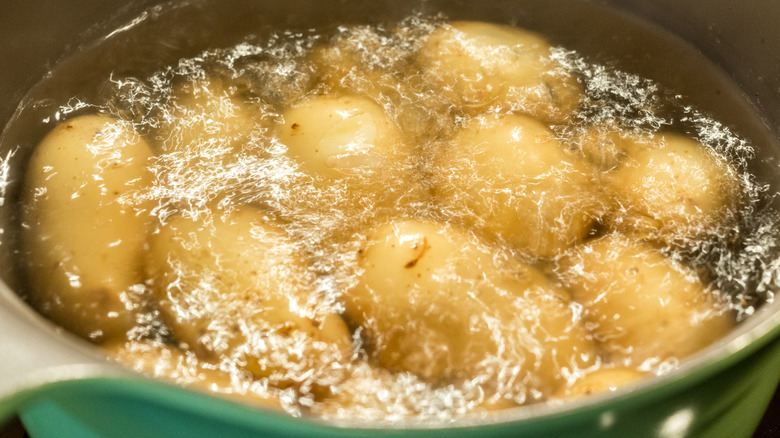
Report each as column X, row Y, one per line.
column 211, row 105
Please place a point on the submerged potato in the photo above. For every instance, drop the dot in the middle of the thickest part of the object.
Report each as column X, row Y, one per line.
column 83, row 233
column 347, row 67
column 205, row 119
column 640, row 305
column 602, row 380
column 234, row 288
column 170, row 363
column 676, row 190
column 433, row 301
column 481, row 64
column 336, row 136
column 511, row 177
column 605, row 146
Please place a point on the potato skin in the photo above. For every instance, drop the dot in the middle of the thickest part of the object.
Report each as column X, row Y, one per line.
column 674, row 191
column 234, row 288
column 182, row 368
column 641, row 306
column 83, row 235
column 478, row 65
column 333, row 136
column 205, row 118
column 509, row 176
column 601, row 380
column 432, row 300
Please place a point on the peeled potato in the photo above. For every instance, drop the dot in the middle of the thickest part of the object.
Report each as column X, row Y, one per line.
column 168, row 362
column 602, row 380
column 433, row 301
column 233, row 287
column 334, row 136
column 640, row 305
column 511, row 177
column 481, row 64
column 676, row 190
column 83, row 231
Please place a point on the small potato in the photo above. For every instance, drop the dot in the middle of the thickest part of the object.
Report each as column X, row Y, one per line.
column 164, row 361
column 432, row 300
column 511, row 177
column 335, row 136
column 234, row 288
column 373, row 393
column 640, row 305
column 204, row 119
column 481, row 64
column 350, row 66
column 606, row 146
column 83, row 232
column 602, row 380
column 675, row 191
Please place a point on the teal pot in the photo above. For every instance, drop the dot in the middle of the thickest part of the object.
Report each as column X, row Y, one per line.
column 61, row 386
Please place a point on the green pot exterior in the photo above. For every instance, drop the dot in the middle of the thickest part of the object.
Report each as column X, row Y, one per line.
column 725, row 400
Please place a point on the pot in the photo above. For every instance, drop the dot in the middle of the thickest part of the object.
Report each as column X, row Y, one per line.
column 62, row 386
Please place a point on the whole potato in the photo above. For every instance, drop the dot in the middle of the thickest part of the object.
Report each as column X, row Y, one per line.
column 605, row 145
column 642, row 306
column 675, row 191
column 510, row 176
column 205, row 118
column 234, row 288
column 605, row 379
column 432, row 300
column 83, row 231
column 482, row 64
column 168, row 362
column 333, row 136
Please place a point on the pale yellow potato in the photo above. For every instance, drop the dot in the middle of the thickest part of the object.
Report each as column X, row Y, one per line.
column 602, row 380
column 168, row 362
column 206, row 119
column 482, row 64
column 340, row 69
column 640, row 305
column 675, row 191
column 83, row 231
column 344, row 68
column 234, row 288
column 509, row 175
column 372, row 393
column 434, row 301
column 334, row 136
column 605, row 146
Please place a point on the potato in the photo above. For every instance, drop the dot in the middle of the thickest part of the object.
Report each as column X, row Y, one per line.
column 373, row 393
column 347, row 66
column 605, row 146
column 675, row 191
column 234, row 288
column 206, row 119
column 180, row 367
column 342, row 70
column 332, row 136
column 481, row 64
column 432, row 300
column 83, row 232
column 509, row 176
column 602, row 380
column 642, row 306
